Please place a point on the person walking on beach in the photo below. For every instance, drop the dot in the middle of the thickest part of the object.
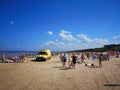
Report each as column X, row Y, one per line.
column 100, row 60
column 64, row 60
column 21, row 57
column 69, row 60
column 107, row 56
column 61, row 58
column 88, row 55
column 83, row 58
column 73, row 60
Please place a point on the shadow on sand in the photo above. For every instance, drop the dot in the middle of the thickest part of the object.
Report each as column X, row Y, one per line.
column 111, row 85
column 65, row 68
column 57, row 67
column 37, row 61
column 62, row 68
column 117, row 64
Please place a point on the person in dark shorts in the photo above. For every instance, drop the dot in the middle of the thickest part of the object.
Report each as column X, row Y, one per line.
column 100, row 60
column 73, row 60
column 64, row 60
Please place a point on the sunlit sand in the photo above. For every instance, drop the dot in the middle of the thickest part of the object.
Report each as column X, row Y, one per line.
column 50, row 75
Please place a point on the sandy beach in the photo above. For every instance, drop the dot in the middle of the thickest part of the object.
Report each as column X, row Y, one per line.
column 50, row 75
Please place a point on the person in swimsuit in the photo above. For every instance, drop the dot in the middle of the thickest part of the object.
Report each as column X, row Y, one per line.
column 73, row 60
column 100, row 60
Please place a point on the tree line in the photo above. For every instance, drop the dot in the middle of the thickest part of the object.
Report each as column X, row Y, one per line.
column 105, row 48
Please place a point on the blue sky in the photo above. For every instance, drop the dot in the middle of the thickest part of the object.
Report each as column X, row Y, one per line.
column 58, row 24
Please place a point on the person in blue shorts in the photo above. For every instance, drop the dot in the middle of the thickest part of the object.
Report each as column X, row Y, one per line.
column 64, row 60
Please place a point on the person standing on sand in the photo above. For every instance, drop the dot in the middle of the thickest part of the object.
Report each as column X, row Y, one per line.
column 107, row 56
column 21, row 57
column 61, row 58
column 100, row 60
column 74, row 60
column 3, row 57
column 69, row 60
column 87, row 55
column 64, row 60
column 83, row 58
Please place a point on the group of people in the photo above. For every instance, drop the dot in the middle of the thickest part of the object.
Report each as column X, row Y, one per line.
column 68, row 61
column 10, row 59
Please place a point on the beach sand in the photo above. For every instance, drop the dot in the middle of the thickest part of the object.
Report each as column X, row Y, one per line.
column 50, row 75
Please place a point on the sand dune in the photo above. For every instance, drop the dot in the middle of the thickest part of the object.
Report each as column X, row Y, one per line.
column 50, row 75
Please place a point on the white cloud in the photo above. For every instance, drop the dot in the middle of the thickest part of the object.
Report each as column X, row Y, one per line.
column 61, row 43
column 78, row 41
column 66, row 32
column 66, row 35
column 62, row 46
column 83, row 42
column 116, row 37
column 57, row 45
column 54, row 43
column 101, row 41
column 97, row 42
column 50, row 43
column 84, row 38
column 50, row 32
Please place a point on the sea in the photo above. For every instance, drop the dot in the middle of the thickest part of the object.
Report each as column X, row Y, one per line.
column 16, row 53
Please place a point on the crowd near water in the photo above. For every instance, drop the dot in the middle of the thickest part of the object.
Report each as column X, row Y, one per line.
column 15, row 56
column 68, row 60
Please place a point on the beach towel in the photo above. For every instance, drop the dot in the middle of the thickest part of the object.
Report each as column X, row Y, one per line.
column 9, row 61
